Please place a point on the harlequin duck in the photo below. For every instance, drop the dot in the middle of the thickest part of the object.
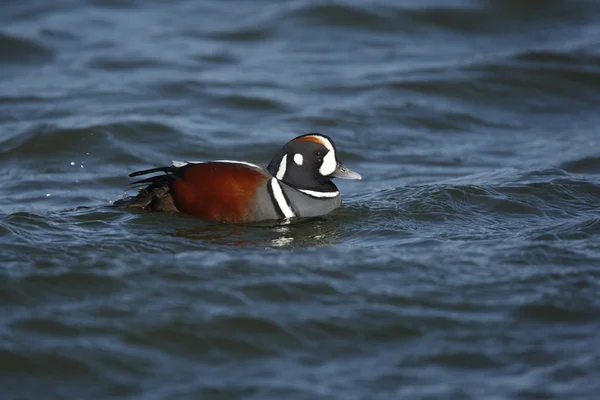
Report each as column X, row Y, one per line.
column 296, row 183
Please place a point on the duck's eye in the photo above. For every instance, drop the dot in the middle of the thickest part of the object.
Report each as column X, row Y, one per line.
column 318, row 154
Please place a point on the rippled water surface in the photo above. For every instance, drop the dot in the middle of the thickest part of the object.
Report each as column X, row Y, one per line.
column 465, row 265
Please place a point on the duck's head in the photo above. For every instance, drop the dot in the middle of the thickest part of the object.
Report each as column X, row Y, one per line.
column 309, row 162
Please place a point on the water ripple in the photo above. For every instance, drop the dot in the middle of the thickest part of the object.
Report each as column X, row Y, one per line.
column 20, row 50
column 464, row 265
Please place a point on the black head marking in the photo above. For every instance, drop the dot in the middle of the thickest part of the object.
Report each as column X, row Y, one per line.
column 300, row 163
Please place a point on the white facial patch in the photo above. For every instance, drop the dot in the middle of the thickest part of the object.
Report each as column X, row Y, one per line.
column 329, row 162
column 282, row 167
column 298, row 159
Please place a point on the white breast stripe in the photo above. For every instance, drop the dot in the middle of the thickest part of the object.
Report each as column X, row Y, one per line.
column 282, row 167
column 280, row 199
column 321, row 195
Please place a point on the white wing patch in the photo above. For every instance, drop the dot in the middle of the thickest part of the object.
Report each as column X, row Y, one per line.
column 184, row 163
column 240, row 162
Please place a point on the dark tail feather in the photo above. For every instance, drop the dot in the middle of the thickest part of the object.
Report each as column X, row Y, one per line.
column 152, row 170
column 152, row 179
column 155, row 197
column 143, row 199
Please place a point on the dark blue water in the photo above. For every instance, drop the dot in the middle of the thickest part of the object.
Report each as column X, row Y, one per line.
column 465, row 265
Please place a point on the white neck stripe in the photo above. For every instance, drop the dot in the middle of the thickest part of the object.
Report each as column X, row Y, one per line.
column 280, row 199
column 282, row 167
column 321, row 195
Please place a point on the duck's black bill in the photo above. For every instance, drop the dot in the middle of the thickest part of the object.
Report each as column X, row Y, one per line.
column 345, row 173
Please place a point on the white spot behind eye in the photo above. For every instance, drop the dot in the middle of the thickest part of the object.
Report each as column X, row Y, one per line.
column 282, row 166
column 298, row 159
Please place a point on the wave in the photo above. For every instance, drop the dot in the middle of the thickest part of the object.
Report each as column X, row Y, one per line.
column 585, row 165
column 248, row 34
column 49, row 141
column 340, row 15
column 529, row 74
column 20, row 50
column 479, row 17
column 126, row 63
column 541, row 205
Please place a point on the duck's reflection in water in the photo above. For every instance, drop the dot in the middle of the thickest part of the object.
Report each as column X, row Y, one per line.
column 307, row 232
